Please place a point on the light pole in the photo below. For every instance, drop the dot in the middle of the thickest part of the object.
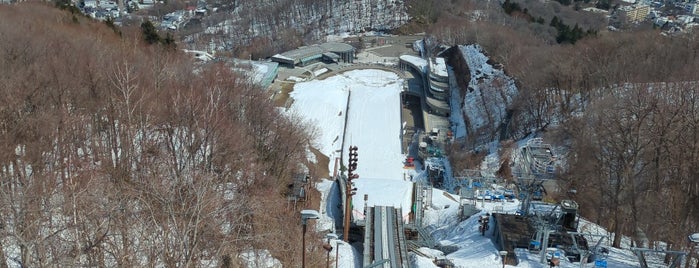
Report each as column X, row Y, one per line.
column 306, row 214
column 337, row 253
column 503, row 254
column 329, row 248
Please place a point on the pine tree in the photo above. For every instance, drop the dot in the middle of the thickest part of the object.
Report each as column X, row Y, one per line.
column 149, row 33
column 110, row 23
column 555, row 21
column 169, row 41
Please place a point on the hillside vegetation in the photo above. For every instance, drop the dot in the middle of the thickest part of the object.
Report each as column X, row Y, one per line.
column 262, row 28
column 118, row 153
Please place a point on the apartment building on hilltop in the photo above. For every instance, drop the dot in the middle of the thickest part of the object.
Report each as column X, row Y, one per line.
column 632, row 14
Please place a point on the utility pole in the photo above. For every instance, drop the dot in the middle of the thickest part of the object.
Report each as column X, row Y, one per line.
column 350, row 190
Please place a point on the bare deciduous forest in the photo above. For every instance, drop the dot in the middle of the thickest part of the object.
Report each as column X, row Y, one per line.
column 118, row 153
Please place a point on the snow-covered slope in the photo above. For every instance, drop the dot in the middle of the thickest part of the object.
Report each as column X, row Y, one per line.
column 490, row 92
column 370, row 102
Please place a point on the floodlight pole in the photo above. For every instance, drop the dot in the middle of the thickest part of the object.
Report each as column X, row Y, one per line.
column 503, row 254
column 303, row 246
column 337, row 252
column 306, row 215
column 349, row 191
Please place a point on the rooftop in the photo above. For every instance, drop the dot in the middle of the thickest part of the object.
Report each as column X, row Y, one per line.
column 336, row 47
column 313, row 51
column 438, row 66
column 303, row 52
column 415, row 60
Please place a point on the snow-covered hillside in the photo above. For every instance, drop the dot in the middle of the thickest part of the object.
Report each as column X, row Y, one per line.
column 370, row 102
column 490, row 93
column 314, row 20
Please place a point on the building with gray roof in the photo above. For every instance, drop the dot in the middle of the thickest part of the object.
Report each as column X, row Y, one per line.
column 302, row 56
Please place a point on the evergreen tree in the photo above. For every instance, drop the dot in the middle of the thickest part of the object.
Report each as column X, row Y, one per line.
column 110, row 23
column 149, row 33
column 67, row 5
column 169, row 41
column 510, row 7
column 603, row 4
column 555, row 21
column 576, row 34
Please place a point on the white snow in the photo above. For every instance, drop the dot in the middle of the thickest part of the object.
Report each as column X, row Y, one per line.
column 259, row 258
column 373, row 125
column 439, row 66
column 382, row 193
column 280, row 56
column 347, row 257
column 327, row 210
column 295, row 78
column 320, row 71
column 490, row 93
column 324, row 104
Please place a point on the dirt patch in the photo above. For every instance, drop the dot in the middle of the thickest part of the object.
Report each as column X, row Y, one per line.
column 320, row 169
column 282, row 98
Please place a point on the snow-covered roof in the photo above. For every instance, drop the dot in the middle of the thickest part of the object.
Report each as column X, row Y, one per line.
column 336, row 47
column 415, row 61
column 280, row 56
column 303, row 52
column 261, row 72
column 694, row 238
column 438, row 66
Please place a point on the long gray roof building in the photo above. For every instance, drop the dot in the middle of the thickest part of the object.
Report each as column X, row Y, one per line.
column 304, row 55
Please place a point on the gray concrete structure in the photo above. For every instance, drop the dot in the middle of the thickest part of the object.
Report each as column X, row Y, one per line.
column 438, row 78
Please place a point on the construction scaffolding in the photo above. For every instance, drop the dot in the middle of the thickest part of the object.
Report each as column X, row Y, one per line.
column 535, row 158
